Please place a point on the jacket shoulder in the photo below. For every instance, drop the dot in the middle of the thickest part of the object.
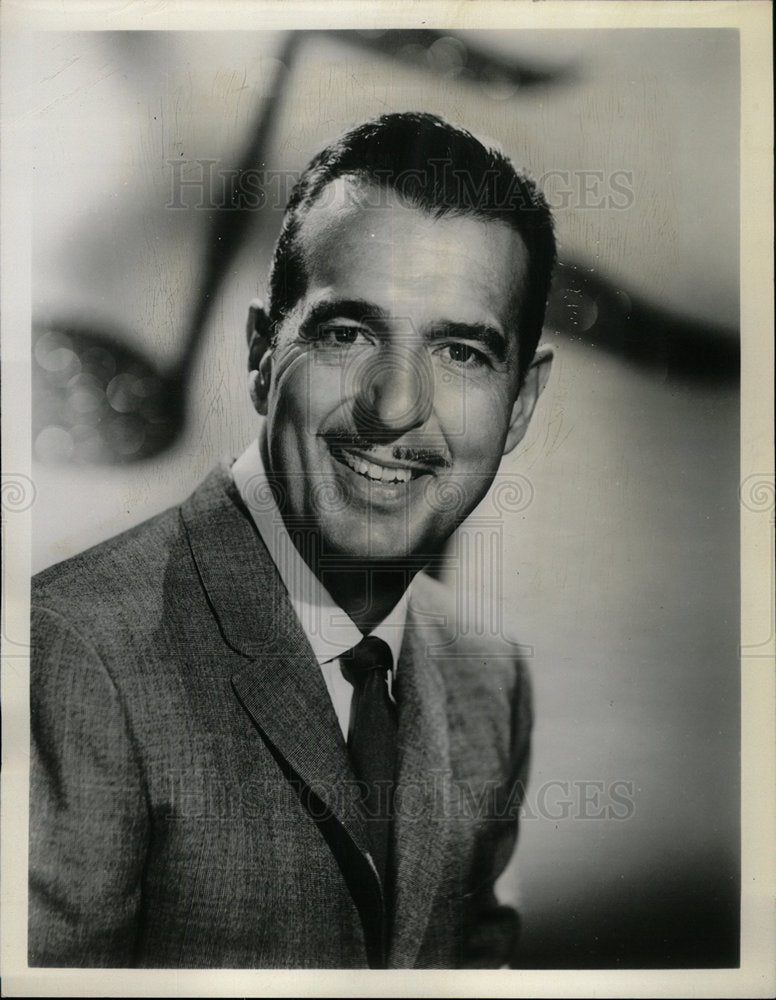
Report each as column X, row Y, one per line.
column 460, row 646
column 485, row 682
column 124, row 575
column 110, row 570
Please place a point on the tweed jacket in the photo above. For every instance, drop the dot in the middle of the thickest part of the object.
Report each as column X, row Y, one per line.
column 192, row 800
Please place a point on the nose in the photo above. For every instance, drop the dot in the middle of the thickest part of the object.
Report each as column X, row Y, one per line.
column 393, row 391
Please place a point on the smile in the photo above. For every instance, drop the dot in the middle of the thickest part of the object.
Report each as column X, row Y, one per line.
column 374, row 471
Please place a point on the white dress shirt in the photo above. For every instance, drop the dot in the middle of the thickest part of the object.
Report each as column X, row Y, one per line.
column 329, row 630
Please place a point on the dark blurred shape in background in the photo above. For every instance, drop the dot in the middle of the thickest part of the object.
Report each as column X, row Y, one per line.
column 98, row 401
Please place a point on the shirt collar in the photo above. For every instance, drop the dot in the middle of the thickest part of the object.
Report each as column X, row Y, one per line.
column 329, row 630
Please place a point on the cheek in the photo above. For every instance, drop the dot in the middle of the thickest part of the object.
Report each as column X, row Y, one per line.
column 301, row 395
column 474, row 418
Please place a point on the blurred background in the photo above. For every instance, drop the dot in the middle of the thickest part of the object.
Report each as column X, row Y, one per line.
column 161, row 164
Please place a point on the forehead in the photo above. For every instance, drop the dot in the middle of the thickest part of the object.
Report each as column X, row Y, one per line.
column 361, row 241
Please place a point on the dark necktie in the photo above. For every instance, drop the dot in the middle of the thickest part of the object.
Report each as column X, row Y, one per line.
column 372, row 742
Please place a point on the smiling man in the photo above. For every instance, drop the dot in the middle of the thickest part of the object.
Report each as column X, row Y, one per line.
column 255, row 741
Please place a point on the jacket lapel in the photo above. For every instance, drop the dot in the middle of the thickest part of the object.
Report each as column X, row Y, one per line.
column 280, row 684
column 423, row 789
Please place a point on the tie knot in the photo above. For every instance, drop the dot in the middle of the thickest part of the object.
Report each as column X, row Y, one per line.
column 371, row 654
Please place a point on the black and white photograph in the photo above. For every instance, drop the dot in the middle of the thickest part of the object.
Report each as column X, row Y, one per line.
column 387, row 500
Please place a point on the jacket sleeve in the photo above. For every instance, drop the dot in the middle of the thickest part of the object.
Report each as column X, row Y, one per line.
column 88, row 813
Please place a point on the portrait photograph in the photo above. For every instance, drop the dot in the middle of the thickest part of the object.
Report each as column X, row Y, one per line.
column 388, row 499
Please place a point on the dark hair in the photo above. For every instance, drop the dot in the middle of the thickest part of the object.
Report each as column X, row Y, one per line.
column 439, row 169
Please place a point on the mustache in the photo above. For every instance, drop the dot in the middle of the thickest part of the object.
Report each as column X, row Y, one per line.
column 432, row 458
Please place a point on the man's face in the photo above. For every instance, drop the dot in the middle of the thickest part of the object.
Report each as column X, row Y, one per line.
column 391, row 392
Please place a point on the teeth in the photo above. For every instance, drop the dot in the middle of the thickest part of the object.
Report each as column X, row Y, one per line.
column 377, row 473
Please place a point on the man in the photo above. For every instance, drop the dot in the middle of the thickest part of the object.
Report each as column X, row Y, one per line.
column 255, row 741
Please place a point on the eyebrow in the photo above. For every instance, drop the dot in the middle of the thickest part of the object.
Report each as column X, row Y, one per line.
column 357, row 310
column 363, row 311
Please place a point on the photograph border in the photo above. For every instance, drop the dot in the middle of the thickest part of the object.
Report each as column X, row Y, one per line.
column 752, row 18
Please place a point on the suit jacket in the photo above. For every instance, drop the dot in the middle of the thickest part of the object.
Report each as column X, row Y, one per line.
column 192, row 799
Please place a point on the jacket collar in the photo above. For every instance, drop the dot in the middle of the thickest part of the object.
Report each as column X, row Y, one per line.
column 248, row 601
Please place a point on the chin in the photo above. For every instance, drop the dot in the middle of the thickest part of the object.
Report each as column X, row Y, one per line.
column 379, row 543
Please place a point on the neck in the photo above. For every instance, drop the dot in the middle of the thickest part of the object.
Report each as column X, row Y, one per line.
column 368, row 594
column 367, row 591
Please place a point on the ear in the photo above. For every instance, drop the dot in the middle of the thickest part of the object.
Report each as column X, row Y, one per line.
column 533, row 385
column 258, row 332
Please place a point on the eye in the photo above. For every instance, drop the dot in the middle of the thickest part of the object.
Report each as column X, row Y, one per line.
column 341, row 334
column 463, row 355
